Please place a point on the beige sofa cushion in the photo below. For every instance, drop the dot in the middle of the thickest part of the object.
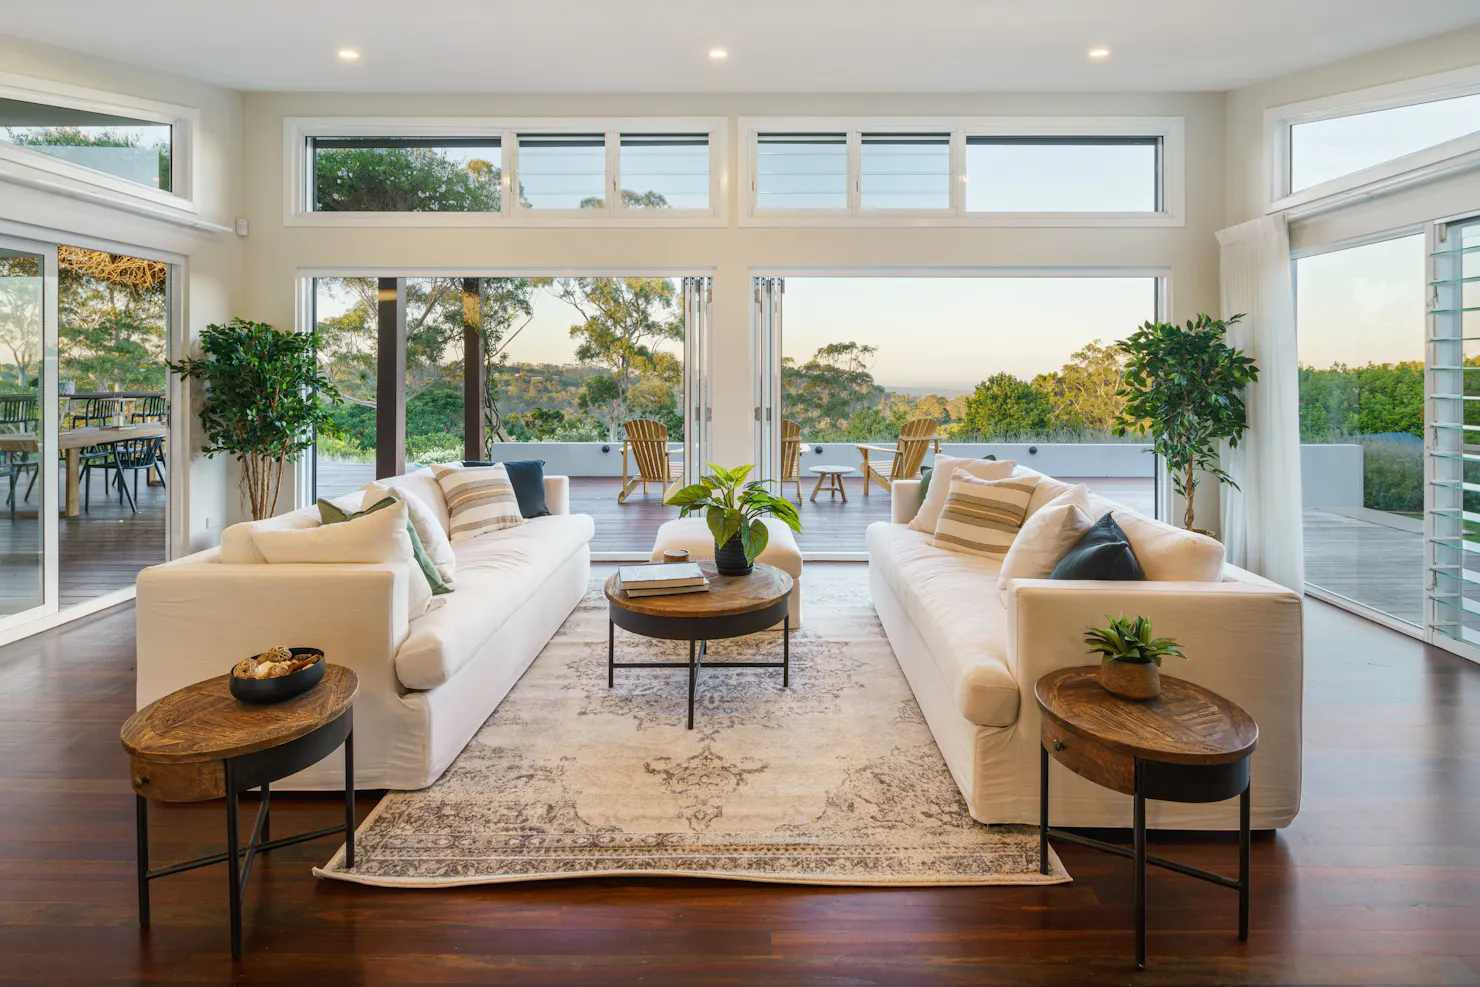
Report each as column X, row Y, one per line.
column 940, row 487
column 1046, row 536
column 423, row 518
column 952, row 600
column 497, row 574
column 423, row 485
column 1168, row 554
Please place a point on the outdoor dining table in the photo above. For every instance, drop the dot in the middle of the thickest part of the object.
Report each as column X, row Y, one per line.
column 73, row 440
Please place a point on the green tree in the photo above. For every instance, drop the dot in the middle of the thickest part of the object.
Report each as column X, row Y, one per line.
column 824, row 394
column 1006, row 407
column 403, row 179
column 625, row 320
column 1085, row 392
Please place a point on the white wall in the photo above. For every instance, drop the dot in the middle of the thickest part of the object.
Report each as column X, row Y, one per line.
column 212, row 260
column 275, row 255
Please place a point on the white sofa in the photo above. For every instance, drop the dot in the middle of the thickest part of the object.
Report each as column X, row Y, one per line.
column 426, row 685
column 972, row 655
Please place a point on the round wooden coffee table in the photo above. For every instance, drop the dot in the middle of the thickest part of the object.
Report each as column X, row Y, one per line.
column 1189, row 744
column 733, row 607
column 201, row 743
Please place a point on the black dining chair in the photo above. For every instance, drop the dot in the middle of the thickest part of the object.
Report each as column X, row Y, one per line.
column 151, row 409
column 19, row 413
column 128, row 456
column 92, row 412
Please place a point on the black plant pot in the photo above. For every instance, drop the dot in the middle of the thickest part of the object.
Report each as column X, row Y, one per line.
column 729, row 558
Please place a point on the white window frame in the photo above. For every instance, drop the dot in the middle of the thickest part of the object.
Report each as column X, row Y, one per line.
column 1389, row 176
column 1172, row 177
column 297, row 169
column 19, row 163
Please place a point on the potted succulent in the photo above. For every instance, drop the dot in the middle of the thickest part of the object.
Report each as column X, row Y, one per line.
column 1131, row 657
column 733, row 509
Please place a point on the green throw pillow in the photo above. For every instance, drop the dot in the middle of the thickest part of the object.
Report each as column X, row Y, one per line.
column 925, row 474
column 329, row 514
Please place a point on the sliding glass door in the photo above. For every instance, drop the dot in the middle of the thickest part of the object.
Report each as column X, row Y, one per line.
column 441, row 369
column 28, row 430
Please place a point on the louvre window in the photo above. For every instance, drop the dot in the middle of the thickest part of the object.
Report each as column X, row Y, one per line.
column 905, row 171
column 801, row 172
column 664, row 171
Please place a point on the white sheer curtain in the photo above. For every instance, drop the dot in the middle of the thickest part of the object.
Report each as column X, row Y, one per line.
column 1262, row 520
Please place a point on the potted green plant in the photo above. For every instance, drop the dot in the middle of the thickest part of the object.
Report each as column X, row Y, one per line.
column 1186, row 385
column 265, row 397
column 1130, row 657
column 733, row 509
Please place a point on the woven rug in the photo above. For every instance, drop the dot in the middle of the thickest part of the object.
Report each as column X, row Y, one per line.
column 835, row 780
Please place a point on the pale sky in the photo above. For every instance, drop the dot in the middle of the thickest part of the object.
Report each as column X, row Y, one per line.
column 1361, row 305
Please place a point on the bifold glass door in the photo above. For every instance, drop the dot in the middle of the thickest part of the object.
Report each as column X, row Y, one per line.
column 1453, row 510
column 768, row 295
column 698, row 294
column 28, row 430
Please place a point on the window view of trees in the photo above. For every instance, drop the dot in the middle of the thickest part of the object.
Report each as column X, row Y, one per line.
column 835, row 398
column 621, row 346
column 140, row 154
column 1360, row 326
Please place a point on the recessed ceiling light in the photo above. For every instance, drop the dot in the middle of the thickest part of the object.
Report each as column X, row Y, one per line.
column 718, row 53
column 348, row 54
column 1099, row 53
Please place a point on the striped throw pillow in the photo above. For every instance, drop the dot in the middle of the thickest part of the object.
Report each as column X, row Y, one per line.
column 982, row 517
column 479, row 499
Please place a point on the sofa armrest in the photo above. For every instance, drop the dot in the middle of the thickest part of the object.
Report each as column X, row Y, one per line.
column 1235, row 633
column 557, row 494
column 196, row 617
column 904, row 501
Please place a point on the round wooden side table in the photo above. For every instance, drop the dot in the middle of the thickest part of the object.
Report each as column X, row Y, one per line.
column 1187, row 745
column 200, row 743
column 733, row 607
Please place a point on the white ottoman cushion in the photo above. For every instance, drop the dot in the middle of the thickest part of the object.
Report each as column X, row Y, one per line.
column 692, row 534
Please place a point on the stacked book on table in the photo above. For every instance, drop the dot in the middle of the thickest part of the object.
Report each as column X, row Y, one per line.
column 663, row 579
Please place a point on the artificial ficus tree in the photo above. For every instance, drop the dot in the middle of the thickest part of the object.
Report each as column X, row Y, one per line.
column 1186, row 385
column 265, row 396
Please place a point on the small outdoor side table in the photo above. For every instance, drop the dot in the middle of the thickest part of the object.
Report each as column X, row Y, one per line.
column 830, row 480
column 1187, row 745
column 201, row 743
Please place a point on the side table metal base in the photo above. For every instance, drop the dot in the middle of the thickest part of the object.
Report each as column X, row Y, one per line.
column 243, row 774
column 1137, row 851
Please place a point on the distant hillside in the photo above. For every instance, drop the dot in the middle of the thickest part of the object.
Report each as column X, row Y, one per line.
column 920, row 390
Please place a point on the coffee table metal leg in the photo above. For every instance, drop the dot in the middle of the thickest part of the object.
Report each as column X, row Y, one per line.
column 233, row 865
column 611, row 653
column 266, row 813
column 1140, row 854
column 1243, row 866
column 349, row 798
column 693, row 677
column 1042, row 809
column 141, row 822
column 786, row 651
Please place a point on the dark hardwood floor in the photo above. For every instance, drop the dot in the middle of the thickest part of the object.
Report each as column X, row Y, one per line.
column 1377, row 882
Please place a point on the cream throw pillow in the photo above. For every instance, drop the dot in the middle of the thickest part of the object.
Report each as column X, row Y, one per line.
column 378, row 538
column 982, row 517
column 479, row 499
column 944, row 469
column 1047, row 534
column 433, row 539
column 1169, row 554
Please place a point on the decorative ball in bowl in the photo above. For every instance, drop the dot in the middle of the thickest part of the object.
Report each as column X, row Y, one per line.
column 276, row 675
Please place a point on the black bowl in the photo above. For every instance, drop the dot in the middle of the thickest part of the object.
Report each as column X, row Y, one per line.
column 276, row 690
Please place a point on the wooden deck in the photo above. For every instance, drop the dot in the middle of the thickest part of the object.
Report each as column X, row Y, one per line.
column 1377, row 565
column 100, row 550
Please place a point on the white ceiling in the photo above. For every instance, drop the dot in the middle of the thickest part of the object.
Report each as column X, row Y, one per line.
column 774, row 45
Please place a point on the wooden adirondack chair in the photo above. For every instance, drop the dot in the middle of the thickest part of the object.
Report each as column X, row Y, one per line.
column 648, row 441
column 791, row 456
column 903, row 461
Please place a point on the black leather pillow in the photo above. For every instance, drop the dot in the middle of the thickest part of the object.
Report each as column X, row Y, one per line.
column 527, row 477
column 1102, row 552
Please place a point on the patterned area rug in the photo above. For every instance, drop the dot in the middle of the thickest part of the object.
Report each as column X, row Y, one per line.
column 835, row 780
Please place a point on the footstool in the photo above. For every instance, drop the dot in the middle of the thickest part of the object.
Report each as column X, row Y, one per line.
column 692, row 534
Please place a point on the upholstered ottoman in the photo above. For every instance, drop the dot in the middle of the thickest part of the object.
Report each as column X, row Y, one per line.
column 692, row 534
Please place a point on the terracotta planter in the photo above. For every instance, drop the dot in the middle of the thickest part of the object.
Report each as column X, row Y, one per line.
column 1130, row 680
